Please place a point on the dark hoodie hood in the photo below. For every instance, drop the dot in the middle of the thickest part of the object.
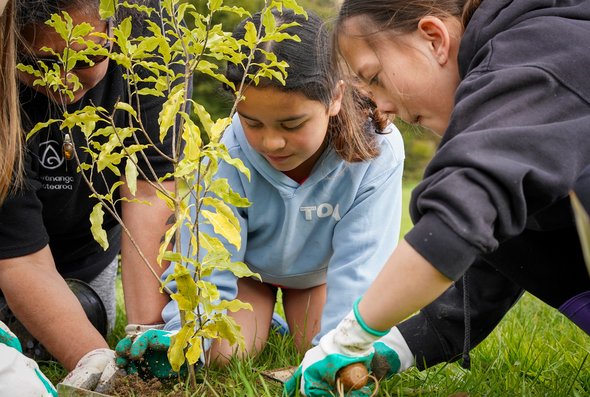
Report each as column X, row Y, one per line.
column 520, row 19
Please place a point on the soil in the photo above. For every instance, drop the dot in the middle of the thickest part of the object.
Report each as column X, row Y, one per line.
column 133, row 385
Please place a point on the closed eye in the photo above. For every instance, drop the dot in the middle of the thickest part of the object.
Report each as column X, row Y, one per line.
column 375, row 80
column 292, row 126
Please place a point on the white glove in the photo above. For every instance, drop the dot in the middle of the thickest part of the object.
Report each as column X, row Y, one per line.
column 95, row 371
column 19, row 375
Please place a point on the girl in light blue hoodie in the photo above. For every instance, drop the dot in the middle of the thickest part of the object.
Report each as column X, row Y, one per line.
column 325, row 188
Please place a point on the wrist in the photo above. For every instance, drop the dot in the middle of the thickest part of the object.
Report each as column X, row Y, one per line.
column 351, row 338
column 364, row 325
column 136, row 329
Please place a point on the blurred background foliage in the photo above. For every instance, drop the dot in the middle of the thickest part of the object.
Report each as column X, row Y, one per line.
column 419, row 144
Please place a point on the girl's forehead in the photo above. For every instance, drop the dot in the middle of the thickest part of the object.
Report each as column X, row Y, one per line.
column 357, row 26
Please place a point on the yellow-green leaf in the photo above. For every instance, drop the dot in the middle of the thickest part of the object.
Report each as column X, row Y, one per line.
column 126, row 107
column 226, row 220
column 131, row 175
column 96, row 219
column 177, row 344
column 167, row 116
column 194, row 351
column 107, row 8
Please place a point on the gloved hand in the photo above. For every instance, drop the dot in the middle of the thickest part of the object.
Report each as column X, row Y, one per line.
column 96, row 370
column 351, row 342
column 392, row 355
column 8, row 338
column 144, row 351
column 19, row 375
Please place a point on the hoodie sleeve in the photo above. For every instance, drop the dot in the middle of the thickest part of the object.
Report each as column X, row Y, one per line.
column 363, row 240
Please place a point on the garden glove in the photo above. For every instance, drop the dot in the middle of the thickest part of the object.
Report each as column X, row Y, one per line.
column 19, row 375
column 351, row 342
column 96, row 370
column 8, row 338
column 392, row 355
column 144, row 351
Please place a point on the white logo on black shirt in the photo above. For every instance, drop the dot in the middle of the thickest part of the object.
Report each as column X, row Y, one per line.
column 51, row 157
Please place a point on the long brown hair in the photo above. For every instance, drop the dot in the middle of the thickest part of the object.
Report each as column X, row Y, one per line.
column 403, row 15
column 352, row 131
column 11, row 136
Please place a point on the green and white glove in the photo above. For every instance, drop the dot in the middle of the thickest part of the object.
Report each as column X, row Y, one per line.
column 144, row 351
column 392, row 355
column 19, row 375
column 351, row 342
column 8, row 338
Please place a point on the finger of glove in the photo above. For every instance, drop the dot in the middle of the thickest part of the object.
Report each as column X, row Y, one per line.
column 386, row 361
column 8, row 338
column 107, row 377
column 122, row 362
column 83, row 378
column 291, row 385
column 157, row 339
column 123, row 347
column 152, row 339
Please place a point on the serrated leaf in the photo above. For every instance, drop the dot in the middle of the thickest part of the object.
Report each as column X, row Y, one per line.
column 214, row 5
column 96, row 219
column 168, row 236
column 177, row 344
column 107, row 9
column 186, row 286
column 251, row 35
column 223, row 220
column 126, row 107
column 222, row 188
column 233, row 305
column 228, row 329
column 169, row 202
column 131, row 175
column 170, row 109
column 40, row 126
column 194, row 351
column 192, row 139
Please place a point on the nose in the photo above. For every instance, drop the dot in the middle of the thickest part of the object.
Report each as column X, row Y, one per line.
column 273, row 141
column 384, row 102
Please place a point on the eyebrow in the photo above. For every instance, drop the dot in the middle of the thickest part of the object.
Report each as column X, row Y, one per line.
column 287, row 119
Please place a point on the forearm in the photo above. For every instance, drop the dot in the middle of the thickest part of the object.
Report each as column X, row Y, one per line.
column 147, row 225
column 406, row 284
column 44, row 304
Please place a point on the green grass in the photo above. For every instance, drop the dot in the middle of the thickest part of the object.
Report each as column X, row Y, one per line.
column 535, row 351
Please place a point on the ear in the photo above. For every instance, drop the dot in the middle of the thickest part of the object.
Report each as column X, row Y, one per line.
column 336, row 102
column 436, row 33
